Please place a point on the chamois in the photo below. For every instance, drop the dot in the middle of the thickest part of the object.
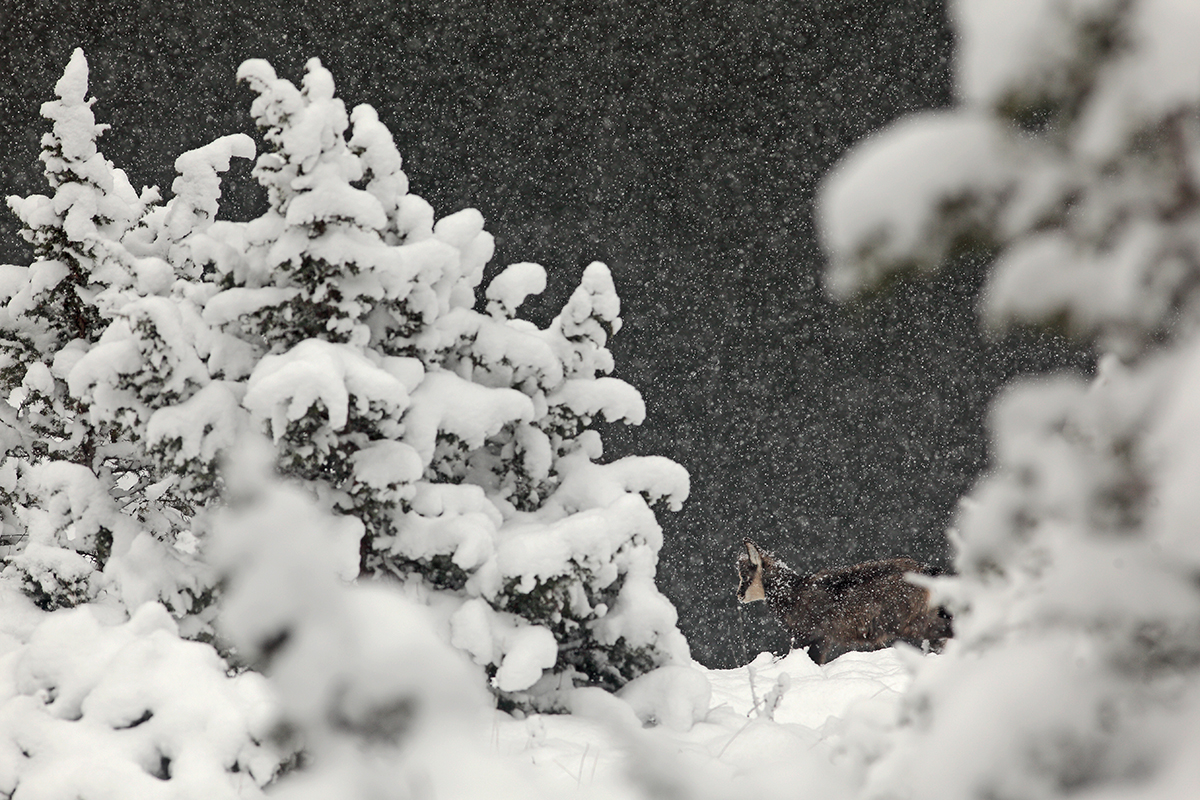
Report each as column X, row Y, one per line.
column 831, row 612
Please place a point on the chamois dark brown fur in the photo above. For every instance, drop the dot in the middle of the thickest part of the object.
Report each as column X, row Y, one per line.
column 831, row 612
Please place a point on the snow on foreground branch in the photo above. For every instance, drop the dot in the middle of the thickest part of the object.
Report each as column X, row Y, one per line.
column 1074, row 153
column 447, row 454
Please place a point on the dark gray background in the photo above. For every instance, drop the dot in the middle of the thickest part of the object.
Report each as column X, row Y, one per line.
column 682, row 143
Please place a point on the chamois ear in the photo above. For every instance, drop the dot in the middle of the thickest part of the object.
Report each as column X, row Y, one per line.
column 752, row 551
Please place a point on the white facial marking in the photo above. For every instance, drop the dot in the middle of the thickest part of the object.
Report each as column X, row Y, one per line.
column 755, row 590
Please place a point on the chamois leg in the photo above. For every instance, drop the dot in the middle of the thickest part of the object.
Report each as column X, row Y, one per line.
column 822, row 652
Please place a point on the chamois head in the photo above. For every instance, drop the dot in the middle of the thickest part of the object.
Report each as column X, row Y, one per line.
column 751, row 564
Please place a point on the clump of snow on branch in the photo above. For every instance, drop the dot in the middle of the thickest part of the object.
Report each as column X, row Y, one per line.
column 92, row 709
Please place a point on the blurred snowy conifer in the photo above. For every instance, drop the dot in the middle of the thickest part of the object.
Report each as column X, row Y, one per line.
column 1074, row 153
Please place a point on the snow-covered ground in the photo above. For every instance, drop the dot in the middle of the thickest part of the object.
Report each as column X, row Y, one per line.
column 599, row 752
column 679, row 731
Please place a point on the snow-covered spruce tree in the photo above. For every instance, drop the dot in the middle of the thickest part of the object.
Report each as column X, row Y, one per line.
column 1074, row 153
column 78, row 488
column 457, row 438
column 342, row 323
